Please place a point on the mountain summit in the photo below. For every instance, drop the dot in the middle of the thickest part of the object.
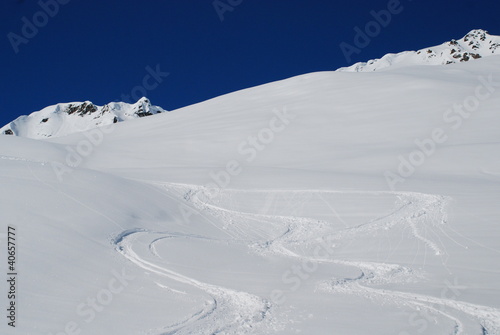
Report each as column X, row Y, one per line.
column 66, row 118
column 476, row 44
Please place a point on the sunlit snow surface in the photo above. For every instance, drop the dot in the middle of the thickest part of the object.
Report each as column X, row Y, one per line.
column 305, row 236
column 476, row 44
column 67, row 118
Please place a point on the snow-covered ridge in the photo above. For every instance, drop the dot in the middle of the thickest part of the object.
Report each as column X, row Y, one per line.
column 476, row 44
column 67, row 118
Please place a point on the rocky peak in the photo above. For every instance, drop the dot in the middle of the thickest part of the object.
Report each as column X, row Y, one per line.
column 66, row 118
column 476, row 44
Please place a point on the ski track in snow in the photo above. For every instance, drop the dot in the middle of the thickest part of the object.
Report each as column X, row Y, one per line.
column 227, row 312
column 13, row 158
column 235, row 312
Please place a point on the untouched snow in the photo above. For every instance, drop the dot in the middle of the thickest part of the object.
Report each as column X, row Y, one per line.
column 476, row 44
column 269, row 211
column 67, row 118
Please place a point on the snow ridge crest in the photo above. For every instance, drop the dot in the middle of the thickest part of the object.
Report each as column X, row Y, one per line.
column 476, row 44
column 67, row 118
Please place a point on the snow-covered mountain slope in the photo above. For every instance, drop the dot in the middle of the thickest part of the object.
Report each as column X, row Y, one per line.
column 300, row 206
column 67, row 118
column 476, row 44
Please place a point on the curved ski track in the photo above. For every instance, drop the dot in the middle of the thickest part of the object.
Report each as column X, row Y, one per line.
column 235, row 312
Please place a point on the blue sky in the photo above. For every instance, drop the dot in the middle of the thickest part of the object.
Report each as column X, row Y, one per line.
column 104, row 51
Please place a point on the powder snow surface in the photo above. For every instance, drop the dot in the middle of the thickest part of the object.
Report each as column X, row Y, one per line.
column 328, row 203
